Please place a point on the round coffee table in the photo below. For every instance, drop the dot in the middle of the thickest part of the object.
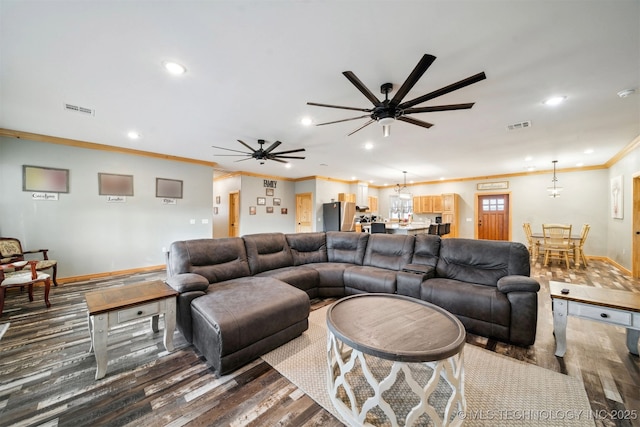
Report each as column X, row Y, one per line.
column 395, row 359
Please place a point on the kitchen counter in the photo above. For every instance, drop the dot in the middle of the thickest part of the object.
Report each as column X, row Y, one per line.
column 395, row 228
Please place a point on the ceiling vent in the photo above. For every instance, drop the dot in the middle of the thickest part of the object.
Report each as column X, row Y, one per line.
column 81, row 110
column 521, row 125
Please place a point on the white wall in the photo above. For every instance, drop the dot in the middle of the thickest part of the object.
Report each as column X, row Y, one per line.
column 263, row 222
column 84, row 233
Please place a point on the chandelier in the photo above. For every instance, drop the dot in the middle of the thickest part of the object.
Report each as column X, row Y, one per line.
column 554, row 191
column 401, row 190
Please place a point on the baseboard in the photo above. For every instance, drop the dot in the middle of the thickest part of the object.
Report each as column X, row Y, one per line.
column 73, row 279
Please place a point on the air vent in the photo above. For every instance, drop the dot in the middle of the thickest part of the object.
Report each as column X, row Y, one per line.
column 521, row 125
column 81, row 110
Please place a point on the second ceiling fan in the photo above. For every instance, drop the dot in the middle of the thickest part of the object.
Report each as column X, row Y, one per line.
column 387, row 111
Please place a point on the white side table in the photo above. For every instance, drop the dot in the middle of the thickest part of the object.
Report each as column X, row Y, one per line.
column 111, row 307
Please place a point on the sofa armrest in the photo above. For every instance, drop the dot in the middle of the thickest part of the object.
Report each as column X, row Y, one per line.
column 188, row 282
column 427, row 270
column 408, row 283
column 517, row 283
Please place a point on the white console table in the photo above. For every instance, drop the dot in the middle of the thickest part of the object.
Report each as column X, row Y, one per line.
column 614, row 307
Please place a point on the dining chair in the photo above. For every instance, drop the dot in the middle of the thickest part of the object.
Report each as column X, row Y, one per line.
column 578, row 248
column 532, row 244
column 378, row 227
column 16, row 274
column 557, row 242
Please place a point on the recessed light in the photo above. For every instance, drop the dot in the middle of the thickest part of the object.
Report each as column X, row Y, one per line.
column 288, row 166
column 588, row 151
column 306, row 121
column 133, row 135
column 626, row 92
column 174, row 67
column 579, row 164
column 353, row 178
column 554, row 100
column 528, row 159
column 368, row 146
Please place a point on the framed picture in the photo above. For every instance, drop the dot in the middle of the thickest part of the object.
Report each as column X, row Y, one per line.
column 276, row 201
column 215, row 210
column 46, row 180
column 252, row 210
column 283, row 211
column 169, row 188
column 499, row 185
column 616, row 197
column 262, row 201
column 217, row 200
column 110, row 184
column 269, row 191
column 269, row 209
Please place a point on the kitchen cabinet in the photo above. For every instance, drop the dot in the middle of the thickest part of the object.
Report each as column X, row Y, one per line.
column 450, row 213
column 373, row 204
column 427, row 204
column 346, row 197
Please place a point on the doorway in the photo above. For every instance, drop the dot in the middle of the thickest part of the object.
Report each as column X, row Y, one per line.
column 635, row 247
column 304, row 213
column 234, row 214
column 493, row 216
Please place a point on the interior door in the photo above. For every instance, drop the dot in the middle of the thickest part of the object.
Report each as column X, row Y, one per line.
column 493, row 216
column 234, row 214
column 635, row 247
column 304, row 213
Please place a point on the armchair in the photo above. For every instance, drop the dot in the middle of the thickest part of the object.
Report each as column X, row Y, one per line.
column 11, row 251
column 14, row 275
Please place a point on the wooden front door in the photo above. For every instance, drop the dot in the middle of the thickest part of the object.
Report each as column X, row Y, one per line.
column 234, row 214
column 493, row 217
column 304, row 213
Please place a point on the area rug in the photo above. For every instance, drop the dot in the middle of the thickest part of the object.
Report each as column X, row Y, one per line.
column 3, row 329
column 499, row 391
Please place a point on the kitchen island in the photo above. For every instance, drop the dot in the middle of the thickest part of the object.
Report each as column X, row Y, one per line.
column 396, row 228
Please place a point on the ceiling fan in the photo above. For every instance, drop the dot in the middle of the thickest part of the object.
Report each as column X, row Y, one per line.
column 262, row 154
column 387, row 111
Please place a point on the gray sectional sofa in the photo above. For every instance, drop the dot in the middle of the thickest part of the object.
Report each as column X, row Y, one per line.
column 242, row 297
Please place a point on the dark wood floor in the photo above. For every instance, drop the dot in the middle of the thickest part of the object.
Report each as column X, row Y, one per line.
column 47, row 375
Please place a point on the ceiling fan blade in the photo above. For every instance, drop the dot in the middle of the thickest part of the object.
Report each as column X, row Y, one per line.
column 229, row 149
column 277, row 160
column 361, row 127
column 438, row 108
column 422, row 66
column 232, row 155
column 436, row 93
column 338, row 106
column 272, row 147
column 297, row 150
column 242, row 160
column 361, row 87
column 246, row 145
column 344, row 120
column 415, row 121
column 288, row 157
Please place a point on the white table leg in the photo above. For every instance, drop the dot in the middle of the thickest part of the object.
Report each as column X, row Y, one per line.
column 560, row 313
column 100, row 333
column 90, row 321
column 169, row 323
column 154, row 323
column 632, row 340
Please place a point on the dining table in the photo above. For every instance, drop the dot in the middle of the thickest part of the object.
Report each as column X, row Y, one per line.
column 574, row 240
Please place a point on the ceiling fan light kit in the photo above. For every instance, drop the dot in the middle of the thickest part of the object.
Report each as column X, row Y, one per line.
column 388, row 111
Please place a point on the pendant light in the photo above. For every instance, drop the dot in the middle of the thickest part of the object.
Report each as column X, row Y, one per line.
column 554, row 191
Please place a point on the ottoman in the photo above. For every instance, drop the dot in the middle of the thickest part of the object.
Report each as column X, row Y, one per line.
column 239, row 320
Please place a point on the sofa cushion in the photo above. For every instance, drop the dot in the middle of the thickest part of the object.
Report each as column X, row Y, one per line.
column 360, row 279
column 481, row 261
column 426, row 250
column 390, row 251
column 346, row 247
column 267, row 251
column 307, row 247
column 301, row 277
column 480, row 302
column 215, row 259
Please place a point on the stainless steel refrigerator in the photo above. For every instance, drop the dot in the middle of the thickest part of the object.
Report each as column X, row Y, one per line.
column 338, row 216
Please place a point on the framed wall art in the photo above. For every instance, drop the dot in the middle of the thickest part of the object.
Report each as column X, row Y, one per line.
column 110, row 184
column 46, row 180
column 169, row 188
column 276, row 201
column 269, row 191
column 252, row 210
column 269, row 209
column 283, row 211
column 262, row 201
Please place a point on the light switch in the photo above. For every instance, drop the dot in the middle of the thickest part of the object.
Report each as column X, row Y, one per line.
column 192, row 221
column 205, row 221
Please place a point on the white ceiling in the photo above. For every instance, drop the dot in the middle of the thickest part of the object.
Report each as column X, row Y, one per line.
column 253, row 66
